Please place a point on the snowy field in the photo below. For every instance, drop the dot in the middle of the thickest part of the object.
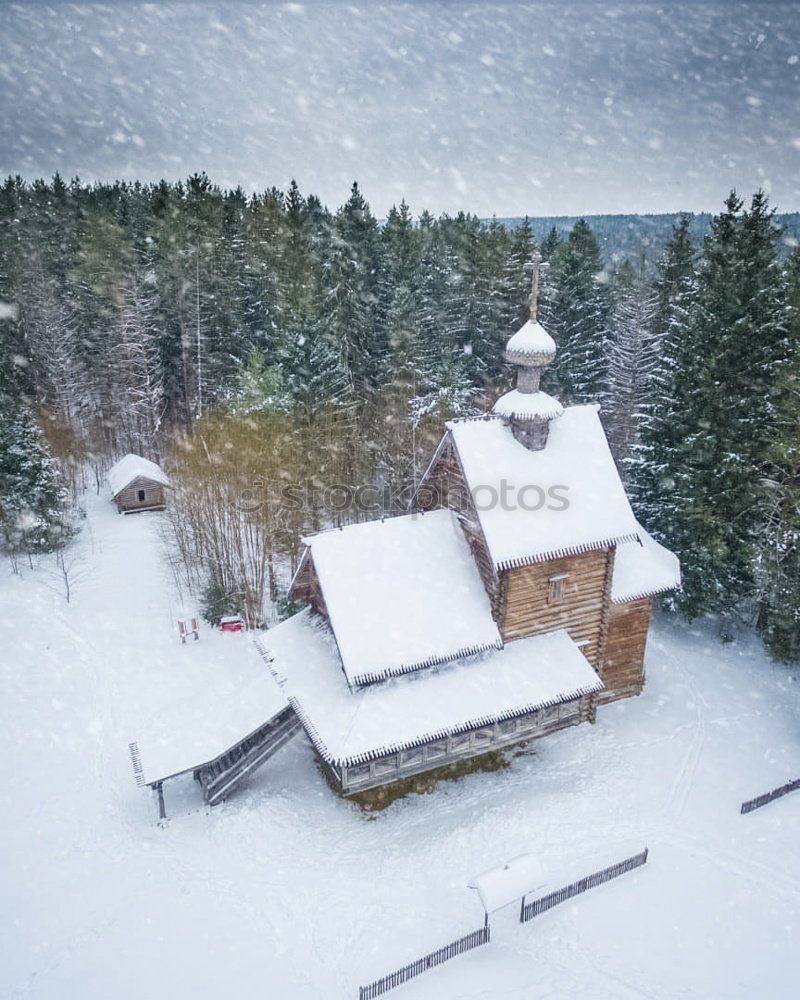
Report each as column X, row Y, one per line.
column 286, row 891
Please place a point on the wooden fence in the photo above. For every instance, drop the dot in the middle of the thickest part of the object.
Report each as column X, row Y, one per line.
column 537, row 906
column 776, row 793
column 400, row 976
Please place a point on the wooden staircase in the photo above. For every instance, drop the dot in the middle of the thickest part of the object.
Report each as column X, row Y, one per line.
column 219, row 778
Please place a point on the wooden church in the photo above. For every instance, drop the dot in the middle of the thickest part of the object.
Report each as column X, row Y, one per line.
column 511, row 601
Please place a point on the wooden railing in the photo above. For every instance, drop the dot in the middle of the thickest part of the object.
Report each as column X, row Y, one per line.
column 531, row 909
column 472, row 940
column 776, row 793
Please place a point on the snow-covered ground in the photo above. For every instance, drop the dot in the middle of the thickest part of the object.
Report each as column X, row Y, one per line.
column 287, row 891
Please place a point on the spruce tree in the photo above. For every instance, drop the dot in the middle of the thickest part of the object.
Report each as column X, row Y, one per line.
column 516, row 278
column 576, row 312
column 779, row 544
column 726, row 371
column 32, row 497
column 351, row 284
column 653, row 466
column 550, row 244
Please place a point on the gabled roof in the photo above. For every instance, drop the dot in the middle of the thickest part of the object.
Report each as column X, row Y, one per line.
column 348, row 727
column 401, row 594
column 583, row 503
column 133, row 467
column 642, row 569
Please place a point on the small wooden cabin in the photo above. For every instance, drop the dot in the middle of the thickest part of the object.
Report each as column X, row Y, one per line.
column 137, row 484
column 512, row 601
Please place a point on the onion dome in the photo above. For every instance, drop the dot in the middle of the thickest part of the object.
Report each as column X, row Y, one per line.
column 528, row 409
column 531, row 345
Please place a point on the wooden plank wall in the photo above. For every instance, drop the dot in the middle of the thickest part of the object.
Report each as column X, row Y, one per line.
column 128, row 499
column 623, row 664
column 582, row 610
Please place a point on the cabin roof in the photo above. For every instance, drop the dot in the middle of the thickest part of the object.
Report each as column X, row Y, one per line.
column 576, row 458
column 350, row 727
column 132, row 467
column 642, row 569
column 401, row 594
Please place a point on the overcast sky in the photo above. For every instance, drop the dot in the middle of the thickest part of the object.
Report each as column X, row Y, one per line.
column 502, row 109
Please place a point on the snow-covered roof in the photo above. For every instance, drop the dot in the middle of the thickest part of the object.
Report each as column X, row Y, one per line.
column 643, row 569
column 526, row 875
column 209, row 719
column 350, row 727
column 532, row 338
column 500, row 886
column 573, row 481
column 131, row 467
column 528, row 404
column 401, row 594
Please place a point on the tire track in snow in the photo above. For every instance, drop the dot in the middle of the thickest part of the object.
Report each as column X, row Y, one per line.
column 684, row 781
column 782, row 884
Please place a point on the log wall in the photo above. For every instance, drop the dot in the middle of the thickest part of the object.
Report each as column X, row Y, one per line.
column 307, row 589
column 582, row 609
column 623, row 663
column 445, row 485
column 128, row 501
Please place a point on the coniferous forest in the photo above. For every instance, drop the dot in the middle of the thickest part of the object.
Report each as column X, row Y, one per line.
column 263, row 347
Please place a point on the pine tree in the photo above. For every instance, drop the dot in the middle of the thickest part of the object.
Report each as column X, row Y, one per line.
column 779, row 545
column 472, row 306
column 656, row 459
column 516, row 281
column 725, row 384
column 400, row 249
column 550, row 244
column 33, row 514
column 260, row 387
column 351, row 296
column 576, row 312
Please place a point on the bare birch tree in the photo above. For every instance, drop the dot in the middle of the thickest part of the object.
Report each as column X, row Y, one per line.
column 136, row 372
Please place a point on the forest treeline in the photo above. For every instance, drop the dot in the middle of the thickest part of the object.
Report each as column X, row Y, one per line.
column 255, row 341
column 644, row 236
